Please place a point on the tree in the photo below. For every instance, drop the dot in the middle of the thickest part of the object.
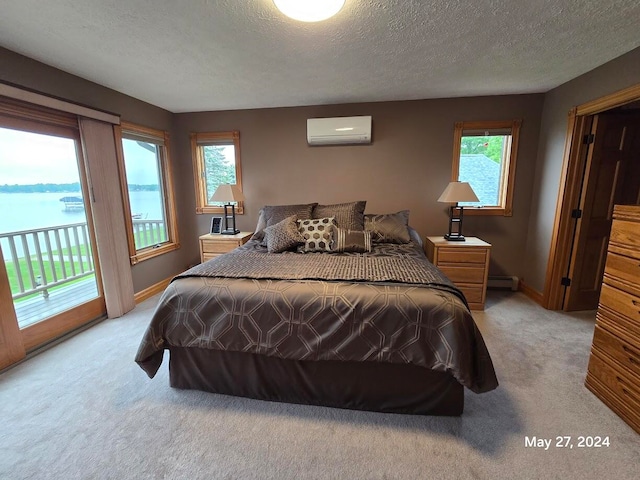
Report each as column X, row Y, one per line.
column 491, row 146
column 220, row 167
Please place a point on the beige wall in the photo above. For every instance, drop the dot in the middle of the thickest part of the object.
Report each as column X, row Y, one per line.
column 27, row 73
column 407, row 166
column 616, row 75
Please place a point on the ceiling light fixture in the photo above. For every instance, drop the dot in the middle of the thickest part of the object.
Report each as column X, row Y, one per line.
column 309, row 10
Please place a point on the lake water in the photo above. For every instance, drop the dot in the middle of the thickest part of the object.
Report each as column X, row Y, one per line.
column 26, row 211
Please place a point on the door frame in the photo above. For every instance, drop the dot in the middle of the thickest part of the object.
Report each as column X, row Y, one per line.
column 569, row 191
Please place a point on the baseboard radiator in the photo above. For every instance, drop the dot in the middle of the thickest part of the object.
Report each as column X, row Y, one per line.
column 503, row 282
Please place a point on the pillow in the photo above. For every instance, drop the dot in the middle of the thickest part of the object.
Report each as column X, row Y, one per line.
column 347, row 215
column 345, row 240
column 258, row 233
column 389, row 227
column 276, row 213
column 283, row 236
column 317, row 234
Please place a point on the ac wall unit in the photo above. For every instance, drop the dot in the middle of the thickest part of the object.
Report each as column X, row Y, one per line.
column 339, row 130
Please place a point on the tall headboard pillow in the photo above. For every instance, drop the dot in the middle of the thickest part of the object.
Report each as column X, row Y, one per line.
column 347, row 215
column 272, row 214
column 276, row 213
column 388, row 227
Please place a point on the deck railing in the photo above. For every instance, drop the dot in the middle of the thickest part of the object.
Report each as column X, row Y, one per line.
column 40, row 259
column 149, row 232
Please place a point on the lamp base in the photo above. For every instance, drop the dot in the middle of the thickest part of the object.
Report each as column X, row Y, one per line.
column 230, row 232
column 454, row 237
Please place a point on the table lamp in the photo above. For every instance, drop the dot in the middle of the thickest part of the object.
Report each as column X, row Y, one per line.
column 454, row 193
column 228, row 193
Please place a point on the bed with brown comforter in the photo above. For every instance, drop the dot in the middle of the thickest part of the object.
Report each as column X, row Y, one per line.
column 384, row 330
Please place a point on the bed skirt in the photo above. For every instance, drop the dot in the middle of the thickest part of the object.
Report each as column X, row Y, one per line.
column 373, row 386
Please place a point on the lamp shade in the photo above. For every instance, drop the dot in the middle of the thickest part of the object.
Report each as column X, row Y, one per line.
column 227, row 193
column 458, row 192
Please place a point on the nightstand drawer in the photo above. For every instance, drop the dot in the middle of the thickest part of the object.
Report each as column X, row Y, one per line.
column 212, row 246
column 464, row 274
column 473, row 293
column 461, row 255
column 218, row 246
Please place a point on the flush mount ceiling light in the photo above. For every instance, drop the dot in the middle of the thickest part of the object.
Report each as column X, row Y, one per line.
column 309, row 10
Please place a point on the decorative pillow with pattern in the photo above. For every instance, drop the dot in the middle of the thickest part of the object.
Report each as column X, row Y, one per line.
column 388, row 227
column 347, row 215
column 345, row 240
column 317, row 234
column 272, row 214
column 283, row 236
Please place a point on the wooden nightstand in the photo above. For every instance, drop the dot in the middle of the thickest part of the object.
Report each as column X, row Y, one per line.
column 213, row 245
column 465, row 263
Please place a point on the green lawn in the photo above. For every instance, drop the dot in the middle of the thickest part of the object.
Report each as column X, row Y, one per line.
column 24, row 269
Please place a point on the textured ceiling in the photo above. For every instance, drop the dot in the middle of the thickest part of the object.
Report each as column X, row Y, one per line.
column 196, row 55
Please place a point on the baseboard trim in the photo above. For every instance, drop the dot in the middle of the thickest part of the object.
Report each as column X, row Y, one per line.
column 149, row 292
column 530, row 292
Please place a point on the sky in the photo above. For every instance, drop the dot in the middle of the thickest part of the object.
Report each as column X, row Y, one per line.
column 29, row 158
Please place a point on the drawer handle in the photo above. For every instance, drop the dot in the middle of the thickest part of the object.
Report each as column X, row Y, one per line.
column 626, row 392
column 632, row 355
column 620, row 381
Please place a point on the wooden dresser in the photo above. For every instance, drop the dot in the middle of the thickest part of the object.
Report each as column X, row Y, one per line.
column 465, row 263
column 614, row 365
column 213, row 245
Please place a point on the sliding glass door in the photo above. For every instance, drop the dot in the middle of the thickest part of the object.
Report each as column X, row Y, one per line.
column 46, row 233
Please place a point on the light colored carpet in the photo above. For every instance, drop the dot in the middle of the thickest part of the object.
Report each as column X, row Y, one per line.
column 84, row 409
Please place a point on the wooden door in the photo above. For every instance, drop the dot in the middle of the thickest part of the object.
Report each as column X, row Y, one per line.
column 11, row 345
column 601, row 190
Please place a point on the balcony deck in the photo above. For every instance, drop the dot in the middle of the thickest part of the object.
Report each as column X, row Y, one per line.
column 34, row 310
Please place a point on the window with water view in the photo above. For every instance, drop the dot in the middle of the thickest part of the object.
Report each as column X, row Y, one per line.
column 145, row 168
column 44, row 235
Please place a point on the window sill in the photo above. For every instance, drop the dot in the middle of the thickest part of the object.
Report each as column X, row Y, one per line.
column 151, row 252
column 218, row 210
column 497, row 211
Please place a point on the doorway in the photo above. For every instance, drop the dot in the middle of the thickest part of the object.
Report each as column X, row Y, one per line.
column 602, row 168
column 50, row 282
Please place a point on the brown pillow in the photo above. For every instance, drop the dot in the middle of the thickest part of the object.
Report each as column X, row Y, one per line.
column 276, row 213
column 283, row 236
column 347, row 215
column 389, row 227
column 345, row 240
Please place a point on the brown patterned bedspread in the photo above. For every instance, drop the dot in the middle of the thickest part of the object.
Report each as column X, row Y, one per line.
column 391, row 305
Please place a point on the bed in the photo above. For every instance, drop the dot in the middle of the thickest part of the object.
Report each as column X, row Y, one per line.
column 381, row 329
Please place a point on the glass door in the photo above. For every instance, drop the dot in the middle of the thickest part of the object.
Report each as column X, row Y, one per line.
column 46, row 233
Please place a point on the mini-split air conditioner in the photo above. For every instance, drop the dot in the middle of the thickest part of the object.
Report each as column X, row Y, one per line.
column 339, row 130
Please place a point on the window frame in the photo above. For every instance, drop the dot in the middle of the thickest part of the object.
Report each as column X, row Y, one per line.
column 202, row 139
column 162, row 137
column 509, row 166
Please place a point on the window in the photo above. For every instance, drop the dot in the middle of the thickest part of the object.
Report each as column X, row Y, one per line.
column 145, row 175
column 216, row 160
column 484, row 155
